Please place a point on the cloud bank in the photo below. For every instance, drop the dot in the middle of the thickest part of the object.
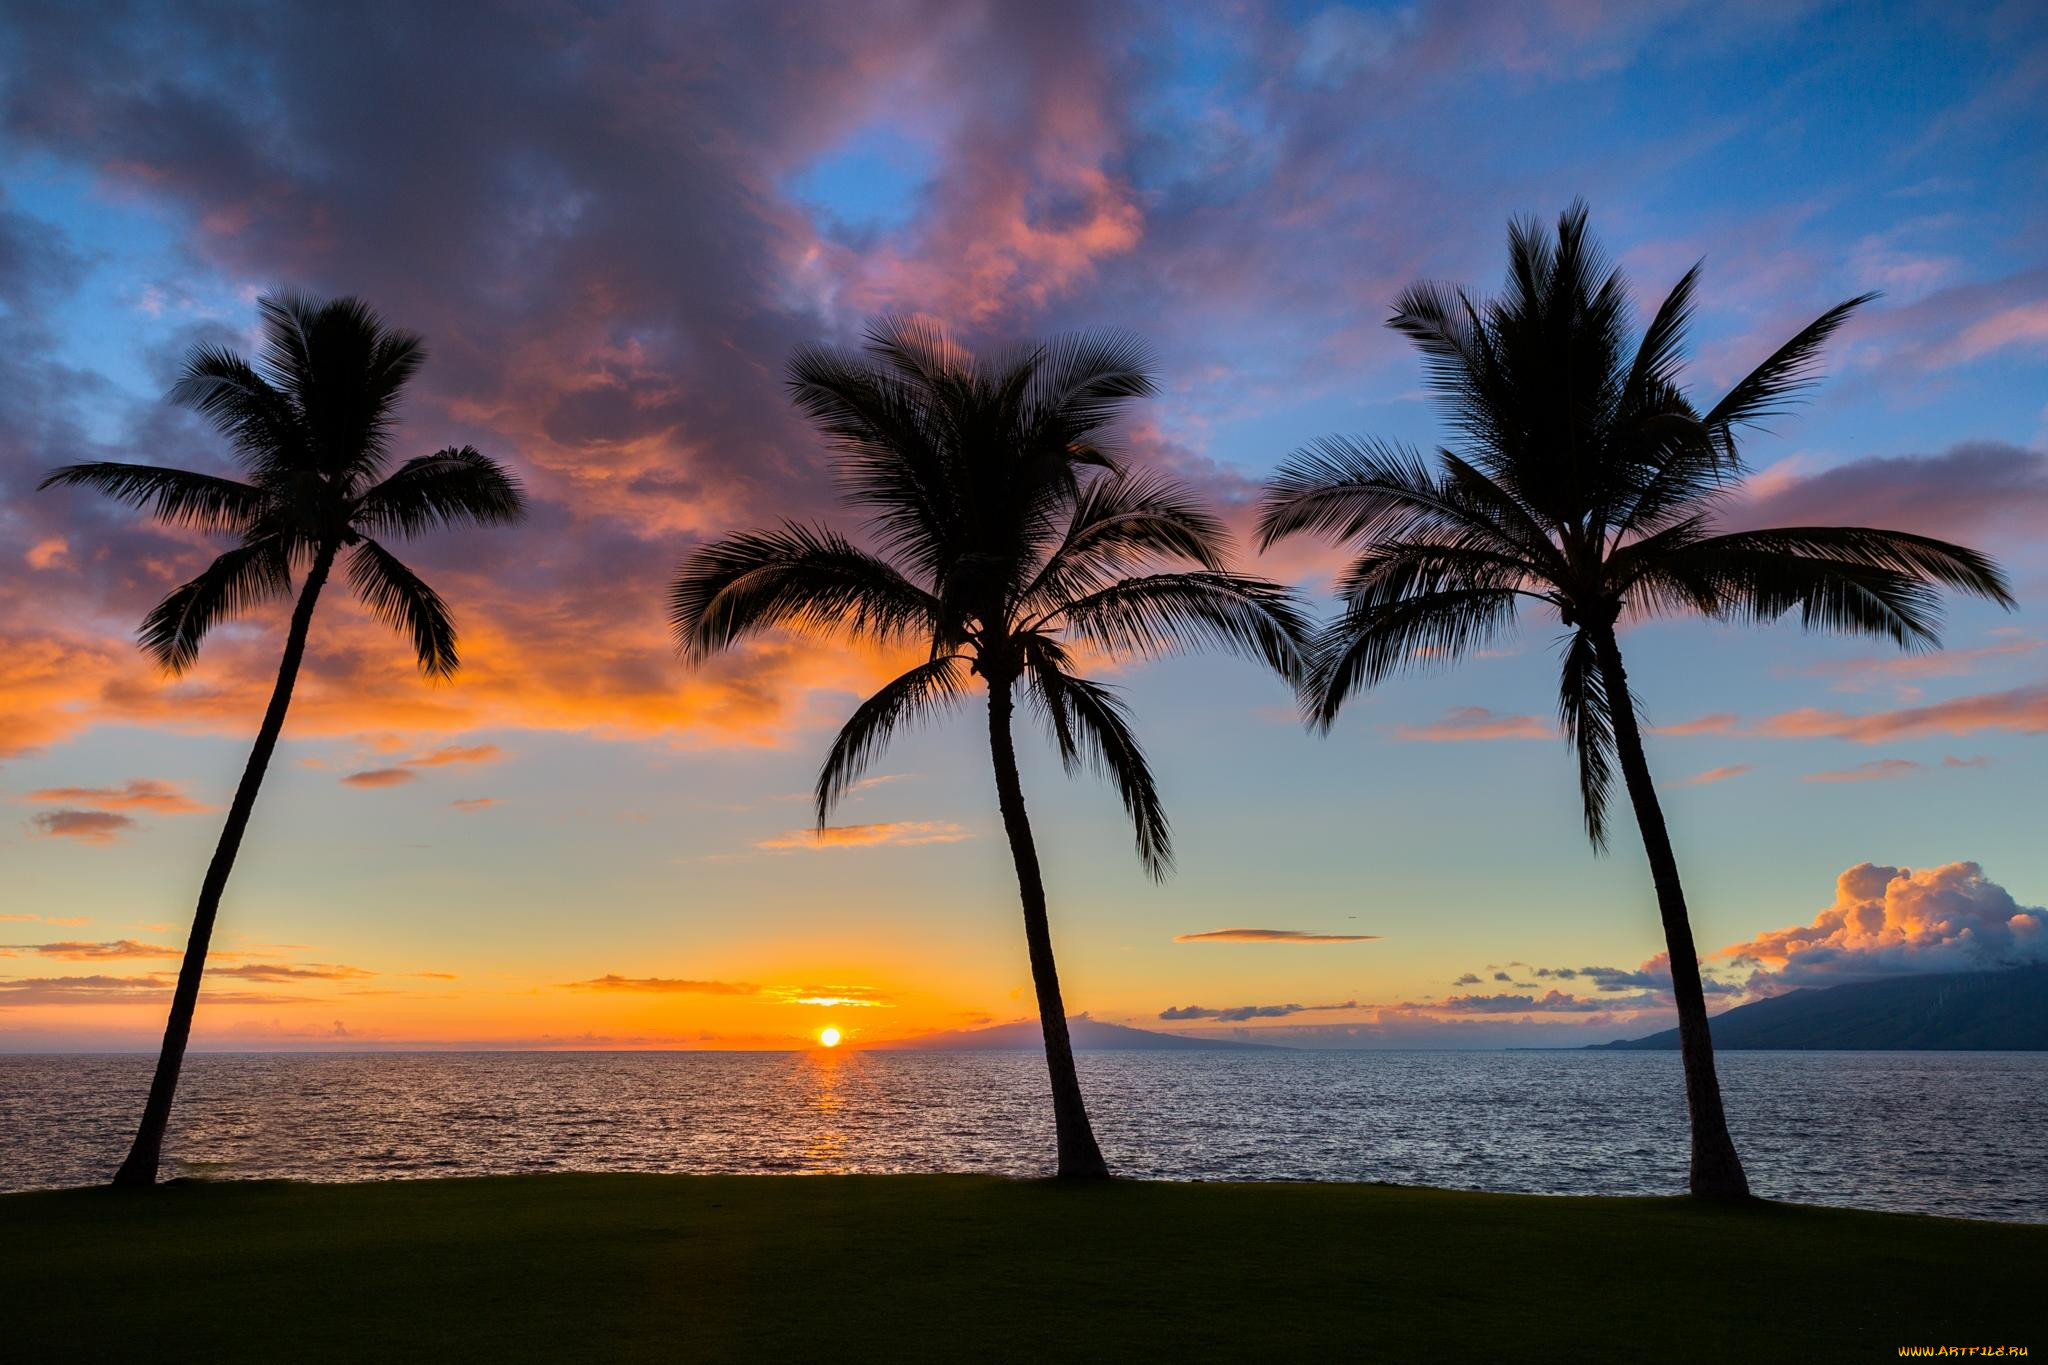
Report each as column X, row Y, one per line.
column 1891, row 920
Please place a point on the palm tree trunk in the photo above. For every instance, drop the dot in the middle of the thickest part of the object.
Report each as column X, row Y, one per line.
column 1078, row 1154
column 1716, row 1169
column 140, row 1167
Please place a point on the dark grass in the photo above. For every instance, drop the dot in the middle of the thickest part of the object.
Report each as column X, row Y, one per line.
column 968, row 1268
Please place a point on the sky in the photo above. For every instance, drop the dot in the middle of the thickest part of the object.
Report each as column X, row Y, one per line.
column 612, row 222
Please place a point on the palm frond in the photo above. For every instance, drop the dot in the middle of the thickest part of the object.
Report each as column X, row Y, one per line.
column 1368, row 643
column 1082, row 380
column 909, row 698
column 1771, row 387
column 1168, row 613
column 459, row 485
column 262, row 422
column 402, row 600
column 344, row 370
column 1092, row 728
column 177, row 497
column 1841, row 578
column 237, row 581
column 1355, row 489
column 1588, row 724
column 796, row 576
column 1901, row 552
column 896, row 443
column 1662, row 349
column 1118, row 523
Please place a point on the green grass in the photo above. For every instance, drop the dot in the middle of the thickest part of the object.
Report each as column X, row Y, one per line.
column 967, row 1268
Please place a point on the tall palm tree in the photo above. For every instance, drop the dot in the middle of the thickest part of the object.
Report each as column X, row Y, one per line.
column 1588, row 482
column 1009, row 534
column 311, row 424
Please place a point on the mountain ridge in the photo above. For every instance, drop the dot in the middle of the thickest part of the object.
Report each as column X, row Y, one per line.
column 1993, row 1011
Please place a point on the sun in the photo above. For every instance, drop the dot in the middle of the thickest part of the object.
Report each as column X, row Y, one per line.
column 829, row 1037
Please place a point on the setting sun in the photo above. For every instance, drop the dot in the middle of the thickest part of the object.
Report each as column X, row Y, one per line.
column 829, row 1037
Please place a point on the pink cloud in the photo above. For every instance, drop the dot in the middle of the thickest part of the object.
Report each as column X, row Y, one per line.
column 1970, row 490
column 2022, row 324
column 1714, row 723
column 2019, row 710
column 1272, row 936
column 1888, row 920
column 1476, row 722
column 1945, row 663
column 906, row 832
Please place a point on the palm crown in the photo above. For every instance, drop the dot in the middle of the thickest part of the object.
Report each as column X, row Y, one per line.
column 310, row 422
column 1585, row 479
column 1009, row 534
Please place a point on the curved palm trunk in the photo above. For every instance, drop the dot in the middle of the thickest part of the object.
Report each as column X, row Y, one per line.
column 1078, row 1154
column 140, row 1167
column 1716, row 1169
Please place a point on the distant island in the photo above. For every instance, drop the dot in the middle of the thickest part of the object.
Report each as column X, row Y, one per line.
column 1089, row 1035
column 2002, row 1011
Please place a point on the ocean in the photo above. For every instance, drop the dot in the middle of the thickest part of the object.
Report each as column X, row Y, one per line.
column 1958, row 1134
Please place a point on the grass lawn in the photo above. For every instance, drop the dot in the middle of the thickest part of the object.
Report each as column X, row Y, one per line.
column 968, row 1268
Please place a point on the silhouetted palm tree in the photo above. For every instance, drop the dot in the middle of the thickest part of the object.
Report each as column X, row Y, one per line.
column 311, row 422
column 1588, row 482
column 1008, row 534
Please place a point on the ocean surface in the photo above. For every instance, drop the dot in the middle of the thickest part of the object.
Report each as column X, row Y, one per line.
column 1962, row 1134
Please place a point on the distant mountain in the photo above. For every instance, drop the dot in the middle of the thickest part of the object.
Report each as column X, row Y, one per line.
column 1968, row 1011
column 1089, row 1035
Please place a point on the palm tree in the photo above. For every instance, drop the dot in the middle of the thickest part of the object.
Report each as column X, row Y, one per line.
column 1588, row 482
column 311, row 424
column 1009, row 534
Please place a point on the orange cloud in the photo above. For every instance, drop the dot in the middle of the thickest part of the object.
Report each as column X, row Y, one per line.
column 474, row 803
column 312, row 971
column 603, row 667
column 1893, row 919
column 906, row 832
column 48, row 553
column 1476, row 722
column 1271, row 936
column 118, row 990
column 457, row 753
column 833, row 997
column 663, row 985
column 139, row 793
column 84, row 952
